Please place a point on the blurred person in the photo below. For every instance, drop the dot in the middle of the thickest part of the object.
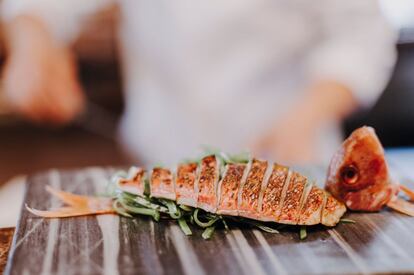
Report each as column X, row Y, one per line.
column 276, row 77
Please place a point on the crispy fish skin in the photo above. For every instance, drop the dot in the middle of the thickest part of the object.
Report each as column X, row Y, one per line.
column 312, row 209
column 292, row 203
column 229, row 189
column 184, row 184
column 248, row 198
column 333, row 211
column 134, row 183
column 206, row 186
column 162, row 184
column 272, row 196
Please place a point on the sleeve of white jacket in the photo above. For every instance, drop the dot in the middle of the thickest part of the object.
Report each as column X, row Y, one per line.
column 357, row 48
column 62, row 17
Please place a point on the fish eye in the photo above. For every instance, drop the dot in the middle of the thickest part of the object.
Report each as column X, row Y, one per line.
column 350, row 175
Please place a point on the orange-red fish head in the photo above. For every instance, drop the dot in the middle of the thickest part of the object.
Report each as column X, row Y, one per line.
column 358, row 174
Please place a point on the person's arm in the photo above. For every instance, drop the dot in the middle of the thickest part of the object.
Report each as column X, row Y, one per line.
column 356, row 49
column 347, row 69
column 39, row 78
column 293, row 139
column 327, row 101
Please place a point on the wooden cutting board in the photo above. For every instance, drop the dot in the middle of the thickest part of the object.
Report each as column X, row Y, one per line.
column 378, row 242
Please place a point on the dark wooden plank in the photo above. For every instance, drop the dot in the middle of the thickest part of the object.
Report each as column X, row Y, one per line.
column 377, row 243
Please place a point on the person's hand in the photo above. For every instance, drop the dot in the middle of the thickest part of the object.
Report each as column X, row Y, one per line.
column 293, row 140
column 39, row 78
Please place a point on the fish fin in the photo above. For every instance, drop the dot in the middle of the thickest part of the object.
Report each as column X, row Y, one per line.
column 78, row 205
column 401, row 206
column 69, row 198
column 407, row 191
column 65, row 212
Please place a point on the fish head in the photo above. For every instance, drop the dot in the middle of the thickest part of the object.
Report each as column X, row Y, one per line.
column 358, row 174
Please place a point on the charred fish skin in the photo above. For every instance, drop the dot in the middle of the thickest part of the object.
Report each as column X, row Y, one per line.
column 162, row 184
column 248, row 199
column 229, row 189
column 273, row 194
column 206, row 185
column 134, row 182
column 185, row 179
column 290, row 211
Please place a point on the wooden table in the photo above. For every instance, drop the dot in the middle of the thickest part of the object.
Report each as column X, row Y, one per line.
column 377, row 243
column 46, row 148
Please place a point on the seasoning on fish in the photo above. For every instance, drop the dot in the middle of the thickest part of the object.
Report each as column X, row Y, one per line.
column 332, row 211
column 206, row 186
column 248, row 199
column 162, row 184
column 134, row 182
column 229, row 189
column 291, row 207
column 266, row 178
column 311, row 212
column 273, row 193
column 184, row 184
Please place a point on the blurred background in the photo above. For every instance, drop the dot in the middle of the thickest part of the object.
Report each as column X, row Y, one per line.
column 27, row 148
column 393, row 114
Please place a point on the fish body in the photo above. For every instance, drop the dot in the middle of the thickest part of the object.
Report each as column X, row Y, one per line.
column 257, row 190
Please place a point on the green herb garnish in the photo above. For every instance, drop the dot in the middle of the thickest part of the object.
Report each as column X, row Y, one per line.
column 120, row 210
column 347, row 221
column 211, row 219
column 302, row 233
column 208, row 232
column 263, row 227
column 173, row 210
column 184, row 226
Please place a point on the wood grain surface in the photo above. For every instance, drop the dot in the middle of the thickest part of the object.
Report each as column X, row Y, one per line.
column 377, row 243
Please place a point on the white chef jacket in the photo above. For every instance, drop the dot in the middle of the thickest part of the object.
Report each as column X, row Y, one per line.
column 220, row 73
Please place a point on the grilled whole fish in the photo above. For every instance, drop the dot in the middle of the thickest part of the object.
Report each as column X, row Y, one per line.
column 257, row 190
